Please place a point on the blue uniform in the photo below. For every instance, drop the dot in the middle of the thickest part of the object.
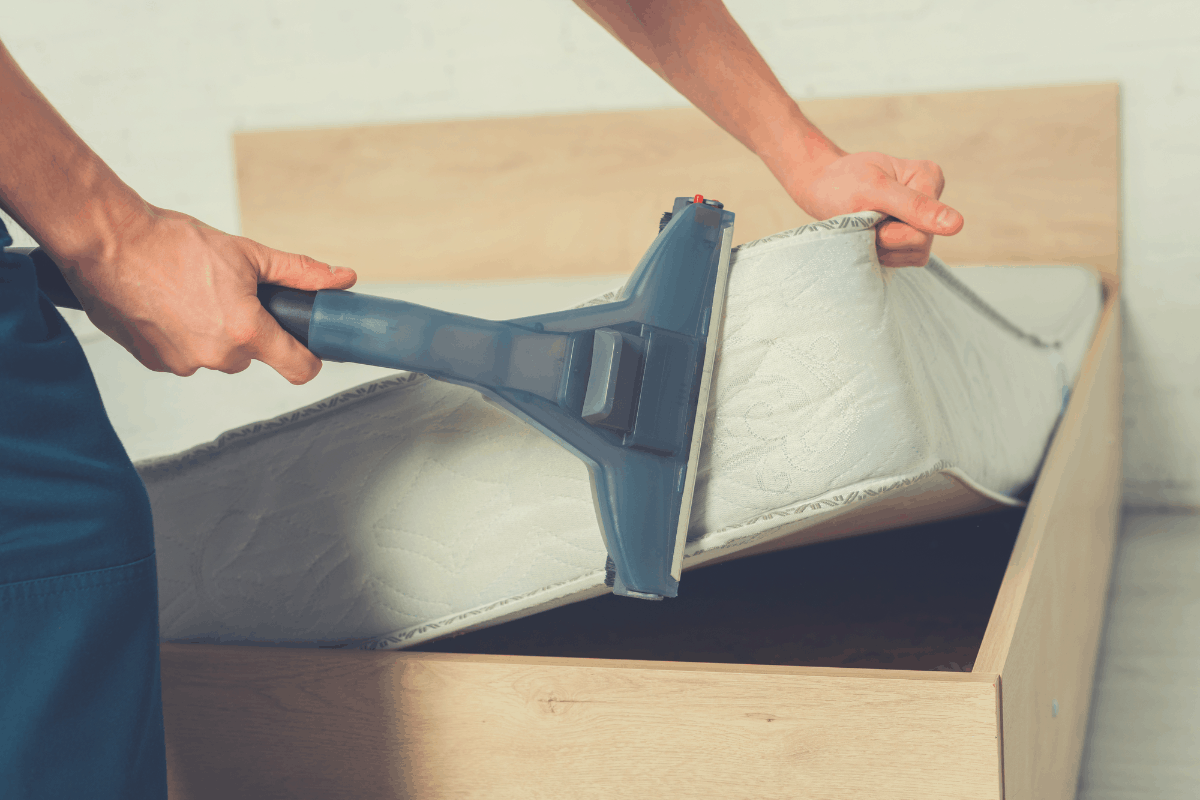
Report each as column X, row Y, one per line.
column 80, row 686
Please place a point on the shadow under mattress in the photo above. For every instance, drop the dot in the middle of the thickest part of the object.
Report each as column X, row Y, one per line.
column 914, row 598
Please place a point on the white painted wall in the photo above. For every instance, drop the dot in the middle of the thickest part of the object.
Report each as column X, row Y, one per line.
column 157, row 88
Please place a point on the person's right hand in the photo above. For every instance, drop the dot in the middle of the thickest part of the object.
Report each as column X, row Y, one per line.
column 181, row 296
column 907, row 190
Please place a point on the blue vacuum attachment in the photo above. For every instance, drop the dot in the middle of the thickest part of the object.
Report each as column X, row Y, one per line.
column 623, row 385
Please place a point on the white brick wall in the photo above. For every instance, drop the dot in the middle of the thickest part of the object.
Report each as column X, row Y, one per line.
column 158, row 87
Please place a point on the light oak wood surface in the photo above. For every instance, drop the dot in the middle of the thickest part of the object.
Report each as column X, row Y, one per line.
column 1045, row 630
column 338, row 724
column 1034, row 172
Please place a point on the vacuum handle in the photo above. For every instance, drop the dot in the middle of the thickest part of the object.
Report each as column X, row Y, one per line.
column 392, row 333
column 395, row 334
column 291, row 308
column 50, row 279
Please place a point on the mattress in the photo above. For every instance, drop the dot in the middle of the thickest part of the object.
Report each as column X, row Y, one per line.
column 380, row 509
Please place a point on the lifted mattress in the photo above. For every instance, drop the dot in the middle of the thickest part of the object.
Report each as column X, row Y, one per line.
column 847, row 398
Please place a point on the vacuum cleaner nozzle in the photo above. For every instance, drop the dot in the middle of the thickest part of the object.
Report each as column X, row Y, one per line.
column 623, row 385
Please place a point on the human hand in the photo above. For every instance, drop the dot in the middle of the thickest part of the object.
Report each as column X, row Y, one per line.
column 180, row 295
column 906, row 190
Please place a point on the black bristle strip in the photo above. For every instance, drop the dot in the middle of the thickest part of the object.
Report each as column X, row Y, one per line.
column 610, row 572
column 662, row 223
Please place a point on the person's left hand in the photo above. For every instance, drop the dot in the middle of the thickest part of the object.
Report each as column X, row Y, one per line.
column 906, row 190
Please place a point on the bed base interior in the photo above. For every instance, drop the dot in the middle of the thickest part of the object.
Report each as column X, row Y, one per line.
column 914, row 598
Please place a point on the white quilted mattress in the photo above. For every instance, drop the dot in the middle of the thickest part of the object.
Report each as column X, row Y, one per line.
column 381, row 509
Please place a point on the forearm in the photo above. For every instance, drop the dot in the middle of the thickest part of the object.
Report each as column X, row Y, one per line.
column 51, row 182
column 697, row 47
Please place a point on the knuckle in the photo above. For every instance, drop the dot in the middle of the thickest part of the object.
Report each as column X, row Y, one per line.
column 917, row 240
column 212, row 357
column 899, row 236
column 863, row 200
column 303, row 376
column 177, row 364
column 939, row 179
column 308, row 262
column 242, row 333
column 301, row 372
column 924, row 204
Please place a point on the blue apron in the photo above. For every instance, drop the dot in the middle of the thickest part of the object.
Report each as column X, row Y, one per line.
column 80, row 687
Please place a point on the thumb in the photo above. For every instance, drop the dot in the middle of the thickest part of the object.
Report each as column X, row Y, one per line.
column 919, row 210
column 301, row 272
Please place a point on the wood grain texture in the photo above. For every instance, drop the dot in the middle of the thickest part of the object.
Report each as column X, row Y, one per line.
column 246, row 724
column 1044, row 632
column 1034, row 172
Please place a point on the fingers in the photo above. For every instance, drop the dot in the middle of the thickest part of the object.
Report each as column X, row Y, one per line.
column 903, row 258
column 301, row 272
column 908, row 240
column 270, row 343
column 901, row 245
column 924, row 176
column 907, row 190
column 261, row 337
column 895, row 235
column 919, row 210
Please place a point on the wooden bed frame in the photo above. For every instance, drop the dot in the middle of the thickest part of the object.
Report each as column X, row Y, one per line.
column 702, row 714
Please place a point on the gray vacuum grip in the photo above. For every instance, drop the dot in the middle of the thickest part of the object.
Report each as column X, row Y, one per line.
column 486, row 354
column 291, row 308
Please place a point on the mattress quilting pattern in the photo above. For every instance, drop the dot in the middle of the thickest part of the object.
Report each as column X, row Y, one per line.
column 407, row 509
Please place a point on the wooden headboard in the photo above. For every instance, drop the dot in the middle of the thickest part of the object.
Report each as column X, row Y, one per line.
column 1035, row 173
